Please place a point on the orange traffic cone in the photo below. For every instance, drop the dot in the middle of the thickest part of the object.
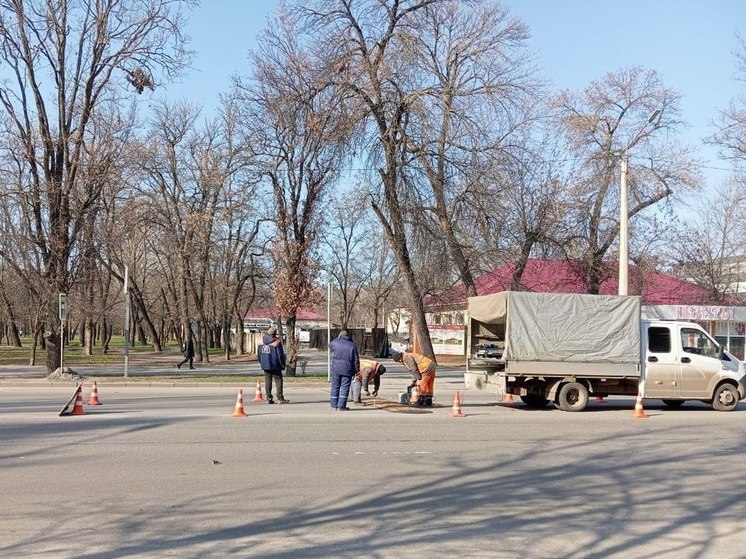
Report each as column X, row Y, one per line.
column 413, row 399
column 508, row 399
column 94, row 401
column 238, row 412
column 258, row 394
column 639, row 412
column 78, row 408
column 456, row 411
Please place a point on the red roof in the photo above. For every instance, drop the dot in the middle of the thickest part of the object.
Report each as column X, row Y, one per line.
column 272, row 313
column 562, row 276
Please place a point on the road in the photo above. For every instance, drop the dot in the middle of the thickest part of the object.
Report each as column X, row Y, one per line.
column 166, row 471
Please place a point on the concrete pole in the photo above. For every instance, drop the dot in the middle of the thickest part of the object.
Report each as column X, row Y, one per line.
column 623, row 229
column 126, row 322
column 328, row 331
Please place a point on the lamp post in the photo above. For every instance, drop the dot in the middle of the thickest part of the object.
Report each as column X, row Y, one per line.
column 624, row 211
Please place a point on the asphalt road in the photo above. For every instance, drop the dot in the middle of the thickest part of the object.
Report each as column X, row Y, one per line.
column 166, row 471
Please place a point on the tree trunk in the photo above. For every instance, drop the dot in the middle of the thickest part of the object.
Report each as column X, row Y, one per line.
column 14, row 338
column 53, row 352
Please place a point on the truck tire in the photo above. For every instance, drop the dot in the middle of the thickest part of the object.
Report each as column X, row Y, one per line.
column 534, row 401
column 573, row 396
column 726, row 398
column 674, row 403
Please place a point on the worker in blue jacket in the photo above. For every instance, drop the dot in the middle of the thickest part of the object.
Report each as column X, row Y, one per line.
column 272, row 361
column 345, row 364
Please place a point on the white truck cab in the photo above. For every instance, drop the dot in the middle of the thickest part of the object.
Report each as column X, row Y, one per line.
column 682, row 362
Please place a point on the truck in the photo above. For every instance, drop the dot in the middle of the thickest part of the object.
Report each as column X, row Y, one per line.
column 564, row 348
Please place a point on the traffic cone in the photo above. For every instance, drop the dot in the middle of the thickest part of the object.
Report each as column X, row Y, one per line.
column 639, row 412
column 258, row 394
column 78, row 408
column 94, row 401
column 238, row 412
column 413, row 399
column 508, row 399
column 456, row 411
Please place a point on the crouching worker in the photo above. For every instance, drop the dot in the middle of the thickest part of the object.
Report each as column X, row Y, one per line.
column 423, row 375
column 370, row 371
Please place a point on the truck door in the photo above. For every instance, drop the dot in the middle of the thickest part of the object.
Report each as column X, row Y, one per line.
column 700, row 362
column 661, row 363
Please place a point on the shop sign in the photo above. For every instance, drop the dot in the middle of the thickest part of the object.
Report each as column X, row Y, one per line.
column 693, row 312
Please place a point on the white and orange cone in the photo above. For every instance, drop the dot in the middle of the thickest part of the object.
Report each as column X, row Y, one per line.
column 238, row 412
column 639, row 412
column 258, row 394
column 456, row 411
column 94, row 401
column 78, row 408
column 508, row 399
column 414, row 398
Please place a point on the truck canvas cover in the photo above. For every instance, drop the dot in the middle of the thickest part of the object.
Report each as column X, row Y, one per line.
column 576, row 328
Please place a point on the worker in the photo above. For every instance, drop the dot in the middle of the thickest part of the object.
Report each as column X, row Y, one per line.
column 423, row 374
column 370, row 370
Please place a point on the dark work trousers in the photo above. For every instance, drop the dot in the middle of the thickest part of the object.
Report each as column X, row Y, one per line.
column 189, row 360
column 268, row 376
column 339, row 390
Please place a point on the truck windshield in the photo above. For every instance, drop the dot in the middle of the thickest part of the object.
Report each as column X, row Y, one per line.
column 697, row 342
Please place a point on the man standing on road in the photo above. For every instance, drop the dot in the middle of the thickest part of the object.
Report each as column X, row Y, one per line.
column 423, row 374
column 370, row 370
column 345, row 364
column 272, row 360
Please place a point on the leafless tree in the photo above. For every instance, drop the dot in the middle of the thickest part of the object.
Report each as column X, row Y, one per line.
column 477, row 90
column 608, row 120
column 364, row 42
column 298, row 128
column 347, row 252
column 707, row 249
column 62, row 61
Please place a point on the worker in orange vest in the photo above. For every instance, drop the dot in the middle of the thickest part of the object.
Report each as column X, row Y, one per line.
column 423, row 374
column 370, row 370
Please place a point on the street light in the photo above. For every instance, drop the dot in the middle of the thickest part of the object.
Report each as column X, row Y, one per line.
column 623, row 210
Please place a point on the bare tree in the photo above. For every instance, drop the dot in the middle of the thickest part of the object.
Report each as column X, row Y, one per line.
column 364, row 42
column 477, row 89
column 605, row 122
column 707, row 249
column 347, row 251
column 297, row 127
column 62, row 61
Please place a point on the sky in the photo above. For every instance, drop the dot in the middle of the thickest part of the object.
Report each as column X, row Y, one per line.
column 688, row 42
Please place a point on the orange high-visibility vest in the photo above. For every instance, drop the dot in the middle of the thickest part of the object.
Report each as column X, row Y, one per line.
column 422, row 362
column 427, row 380
column 372, row 365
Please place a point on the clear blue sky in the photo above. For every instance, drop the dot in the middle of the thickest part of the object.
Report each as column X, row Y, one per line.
column 689, row 42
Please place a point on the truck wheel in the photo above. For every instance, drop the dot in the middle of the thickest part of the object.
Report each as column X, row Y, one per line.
column 674, row 403
column 726, row 398
column 573, row 396
column 534, row 401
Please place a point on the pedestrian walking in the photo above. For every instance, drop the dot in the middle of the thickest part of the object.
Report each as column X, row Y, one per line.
column 370, row 371
column 188, row 351
column 345, row 364
column 272, row 360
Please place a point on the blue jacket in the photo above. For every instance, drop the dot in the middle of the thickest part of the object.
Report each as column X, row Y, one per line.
column 271, row 354
column 345, row 359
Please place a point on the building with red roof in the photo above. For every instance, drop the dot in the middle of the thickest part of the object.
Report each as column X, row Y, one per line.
column 563, row 276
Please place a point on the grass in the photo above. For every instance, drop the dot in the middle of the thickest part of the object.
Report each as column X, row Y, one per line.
column 74, row 353
column 217, row 379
